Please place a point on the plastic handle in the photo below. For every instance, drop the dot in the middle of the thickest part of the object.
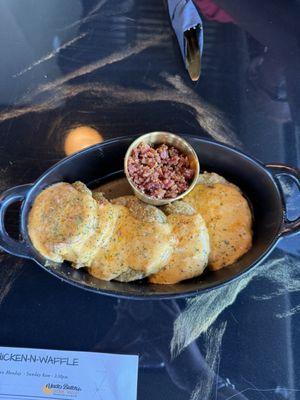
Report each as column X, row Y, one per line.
column 288, row 227
column 8, row 244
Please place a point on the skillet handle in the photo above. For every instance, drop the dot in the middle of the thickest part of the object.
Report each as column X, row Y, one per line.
column 288, row 227
column 8, row 244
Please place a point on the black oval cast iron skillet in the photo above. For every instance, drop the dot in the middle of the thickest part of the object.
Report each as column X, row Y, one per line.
column 258, row 182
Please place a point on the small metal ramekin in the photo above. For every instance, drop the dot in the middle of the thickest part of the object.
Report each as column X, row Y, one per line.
column 157, row 138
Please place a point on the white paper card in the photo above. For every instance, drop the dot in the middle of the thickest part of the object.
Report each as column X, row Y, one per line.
column 66, row 375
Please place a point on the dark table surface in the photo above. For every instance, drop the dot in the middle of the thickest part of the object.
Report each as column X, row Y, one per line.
column 116, row 66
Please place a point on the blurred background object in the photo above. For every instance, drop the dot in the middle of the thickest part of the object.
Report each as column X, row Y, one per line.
column 187, row 24
column 81, row 137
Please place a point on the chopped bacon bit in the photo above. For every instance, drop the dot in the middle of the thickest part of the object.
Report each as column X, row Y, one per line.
column 162, row 172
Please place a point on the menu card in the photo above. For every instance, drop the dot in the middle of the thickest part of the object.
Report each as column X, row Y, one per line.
column 66, row 375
